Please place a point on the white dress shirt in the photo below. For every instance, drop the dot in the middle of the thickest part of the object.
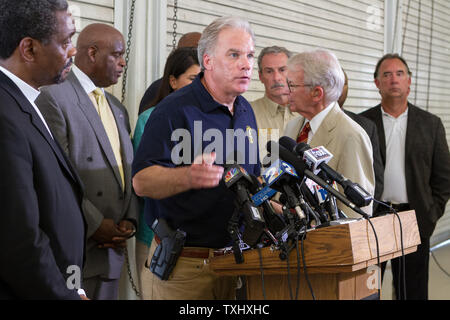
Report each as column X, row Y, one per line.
column 316, row 121
column 394, row 172
column 28, row 91
column 85, row 81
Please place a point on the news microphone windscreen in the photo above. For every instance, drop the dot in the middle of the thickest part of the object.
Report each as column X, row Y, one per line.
column 287, row 156
column 301, row 147
column 287, row 142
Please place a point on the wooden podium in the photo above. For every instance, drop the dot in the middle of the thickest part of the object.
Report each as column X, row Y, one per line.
column 341, row 261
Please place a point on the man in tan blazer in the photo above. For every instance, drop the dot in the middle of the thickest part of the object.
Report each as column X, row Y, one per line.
column 315, row 81
column 272, row 110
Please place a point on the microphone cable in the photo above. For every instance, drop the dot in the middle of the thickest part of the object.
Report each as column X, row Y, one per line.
column 378, row 255
column 261, row 269
column 436, row 261
column 402, row 260
column 298, row 266
column 289, row 276
column 304, row 266
column 303, row 254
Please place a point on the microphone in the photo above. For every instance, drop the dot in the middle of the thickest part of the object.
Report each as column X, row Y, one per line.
column 317, row 158
column 328, row 200
column 239, row 181
column 300, row 167
column 282, row 177
column 311, row 199
column 261, row 196
column 287, row 155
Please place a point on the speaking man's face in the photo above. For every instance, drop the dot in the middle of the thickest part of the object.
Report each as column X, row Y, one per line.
column 231, row 64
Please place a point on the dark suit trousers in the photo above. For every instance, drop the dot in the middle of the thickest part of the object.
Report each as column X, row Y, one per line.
column 98, row 288
column 416, row 272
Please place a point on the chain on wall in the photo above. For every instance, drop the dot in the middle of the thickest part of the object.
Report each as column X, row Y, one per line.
column 124, row 85
column 127, row 51
column 420, row 43
column 175, row 19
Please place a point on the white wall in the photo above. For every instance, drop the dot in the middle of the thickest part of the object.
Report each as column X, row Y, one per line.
column 358, row 31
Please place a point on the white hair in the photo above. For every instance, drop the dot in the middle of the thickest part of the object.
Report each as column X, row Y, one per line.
column 208, row 40
column 321, row 68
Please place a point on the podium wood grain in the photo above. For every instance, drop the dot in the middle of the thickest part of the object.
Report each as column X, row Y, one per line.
column 337, row 258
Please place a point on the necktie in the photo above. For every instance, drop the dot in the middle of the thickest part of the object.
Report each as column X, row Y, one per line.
column 303, row 136
column 109, row 123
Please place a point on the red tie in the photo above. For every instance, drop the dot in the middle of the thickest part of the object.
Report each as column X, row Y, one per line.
column 303, row 136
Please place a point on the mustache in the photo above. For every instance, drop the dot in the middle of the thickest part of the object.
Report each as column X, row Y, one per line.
column 278, row 85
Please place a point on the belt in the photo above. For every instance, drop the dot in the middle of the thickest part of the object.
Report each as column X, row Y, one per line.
column 400, row 206
column 197, row 252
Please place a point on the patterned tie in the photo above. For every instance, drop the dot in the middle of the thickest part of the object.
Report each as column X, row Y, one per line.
column 303, row 136
column 109, row 123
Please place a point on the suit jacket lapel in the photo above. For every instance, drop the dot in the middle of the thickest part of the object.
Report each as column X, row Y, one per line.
column 378, row 119
column 411, row 124
column 323, row 136
column 85, row 104
column 293, row 127
column 36, row 121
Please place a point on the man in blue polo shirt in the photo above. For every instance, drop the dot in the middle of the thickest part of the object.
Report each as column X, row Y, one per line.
column 179, row 163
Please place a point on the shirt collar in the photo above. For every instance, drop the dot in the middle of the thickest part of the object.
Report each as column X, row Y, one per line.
column 273, row 107
column 85, row 81
column 387, row 115
column 207, row 102
column 28, row 91
column 318, row 118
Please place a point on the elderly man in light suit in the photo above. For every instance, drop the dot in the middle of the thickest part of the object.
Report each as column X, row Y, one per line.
column 315, row 81
column 92, row 127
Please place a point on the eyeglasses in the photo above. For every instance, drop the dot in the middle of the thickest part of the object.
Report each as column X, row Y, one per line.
column 292, row 87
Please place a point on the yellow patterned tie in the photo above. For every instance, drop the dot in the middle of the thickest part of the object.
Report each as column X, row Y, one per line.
column 109, row 123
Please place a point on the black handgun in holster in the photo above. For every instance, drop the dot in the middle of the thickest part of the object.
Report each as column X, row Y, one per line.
column 169, row 249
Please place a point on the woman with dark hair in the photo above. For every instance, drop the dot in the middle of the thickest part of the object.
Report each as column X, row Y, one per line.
column 181, row 68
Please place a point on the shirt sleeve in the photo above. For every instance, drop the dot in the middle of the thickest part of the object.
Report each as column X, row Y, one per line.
column 155, row 147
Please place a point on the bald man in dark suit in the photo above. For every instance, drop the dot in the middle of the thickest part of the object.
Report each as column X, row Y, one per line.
column 96, row 138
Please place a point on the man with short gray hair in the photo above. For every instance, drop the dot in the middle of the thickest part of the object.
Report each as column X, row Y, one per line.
column 271, row 111
column 191, row 196
column 315, row 81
